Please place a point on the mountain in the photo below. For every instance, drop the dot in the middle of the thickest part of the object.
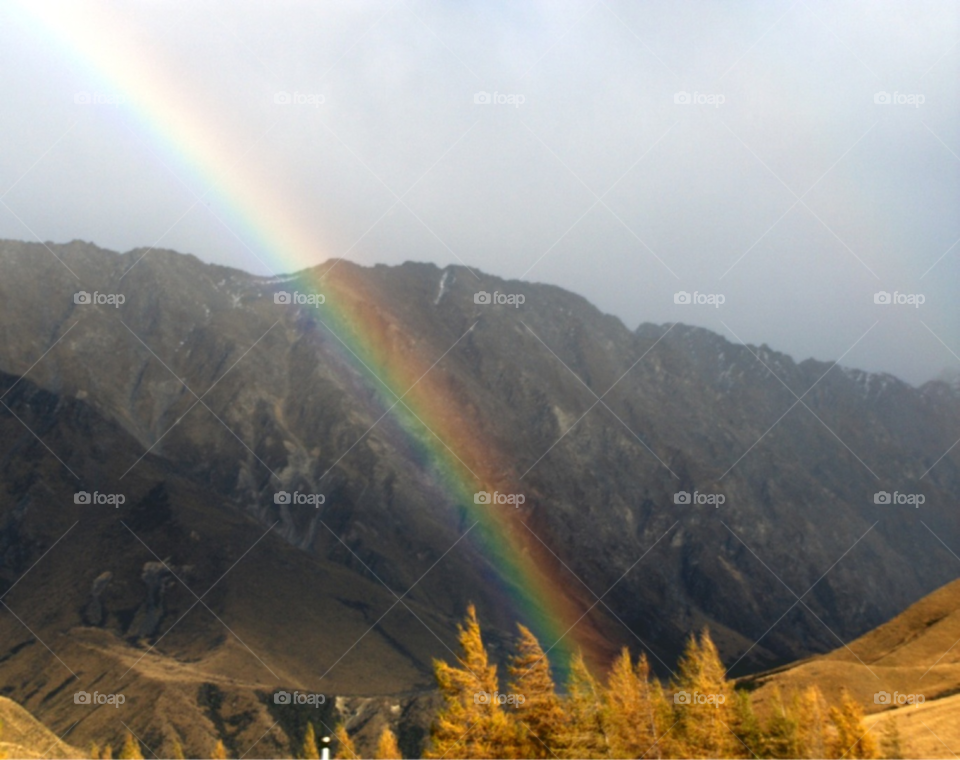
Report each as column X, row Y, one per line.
column 912, row 660
column 289, row 402
column 107, row 599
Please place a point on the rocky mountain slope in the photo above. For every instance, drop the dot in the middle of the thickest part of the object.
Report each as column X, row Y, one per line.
column 285, row 406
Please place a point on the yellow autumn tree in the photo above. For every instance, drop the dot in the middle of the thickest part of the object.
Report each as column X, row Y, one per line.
column 107, row 753
column 782, row 730
column 309, row 749
column 130, row 749
column 705, row 703
column 812, row 722
column 219, row 751
column 345, row 748
column 387, row 747
column 628, row 716
column 540, row 716
column 176, row 753
column 851, row 739
column 581, row 734
column 94, row 751
column 472, row 723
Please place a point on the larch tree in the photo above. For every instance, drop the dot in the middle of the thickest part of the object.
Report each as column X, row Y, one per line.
column 627, row 710
column 309, row 749
column 706, row 707
column 782, row 738
column 345, row 748
column 540, row 717
column 219, row 751
column 851, row 739
column 582, row 732
column 387, row 747
column 812, row 722
column 471, row 723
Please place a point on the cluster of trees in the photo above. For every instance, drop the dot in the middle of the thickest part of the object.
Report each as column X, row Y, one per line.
column 632, row 715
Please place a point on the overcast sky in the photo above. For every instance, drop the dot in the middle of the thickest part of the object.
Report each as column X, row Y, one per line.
column 784, row 186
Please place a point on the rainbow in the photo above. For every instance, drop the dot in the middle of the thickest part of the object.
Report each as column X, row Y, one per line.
column 437, row 425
